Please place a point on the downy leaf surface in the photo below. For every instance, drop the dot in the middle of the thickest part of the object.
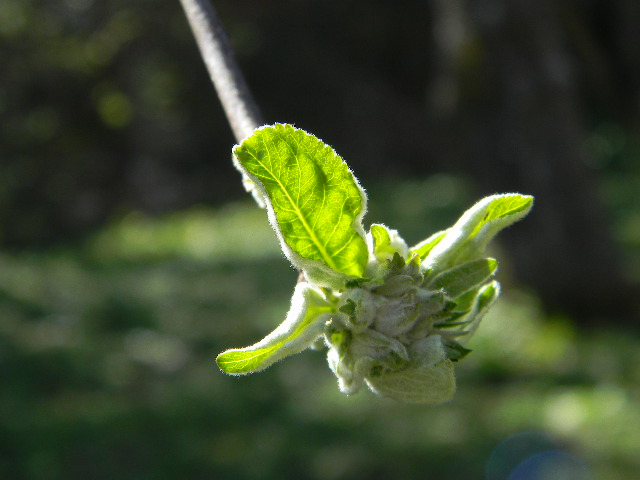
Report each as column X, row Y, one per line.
column 463, row 278
column 429, row 380
column 303, row 325
column 468, row 238
column 314, row 202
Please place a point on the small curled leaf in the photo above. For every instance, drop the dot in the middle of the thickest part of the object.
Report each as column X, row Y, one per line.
column 386, row 243
column 485, row 298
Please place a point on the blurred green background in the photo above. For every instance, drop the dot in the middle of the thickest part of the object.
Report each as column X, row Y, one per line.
column 130, row 255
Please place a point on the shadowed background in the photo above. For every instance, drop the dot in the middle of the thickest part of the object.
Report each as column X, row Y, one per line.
column 131, row 255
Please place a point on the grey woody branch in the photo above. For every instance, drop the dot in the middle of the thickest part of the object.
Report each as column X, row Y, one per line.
column 238, row 103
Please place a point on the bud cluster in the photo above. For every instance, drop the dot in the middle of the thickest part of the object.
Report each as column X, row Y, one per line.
column 395, row 324
column 394, row 318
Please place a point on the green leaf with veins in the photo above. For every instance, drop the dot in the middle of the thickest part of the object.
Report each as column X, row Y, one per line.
column 315, row 204
column 303, row 325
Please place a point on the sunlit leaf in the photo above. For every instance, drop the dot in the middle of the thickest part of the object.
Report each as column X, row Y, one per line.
column 303, row 325
column 424, row 247
column 387, row 242
column 468, row 238
column 314, row 202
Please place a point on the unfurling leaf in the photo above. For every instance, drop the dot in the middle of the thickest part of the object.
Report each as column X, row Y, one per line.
column 303, row 325
column 467, row 239
column 387, row 243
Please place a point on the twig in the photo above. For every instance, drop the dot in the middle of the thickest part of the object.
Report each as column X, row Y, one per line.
column 240, row 108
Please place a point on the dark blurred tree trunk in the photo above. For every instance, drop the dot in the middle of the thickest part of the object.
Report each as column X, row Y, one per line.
column 626, row 25
column 525, row 133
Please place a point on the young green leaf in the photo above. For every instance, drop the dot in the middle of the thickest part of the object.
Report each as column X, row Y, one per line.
column 463, row 278
column 424, row 247
column 468, row 238
column 386, row 243
column 427, row 385
column 314, row 202
column 486, row 297
column 501, row 211
column 303, row 325
column 455, row 351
